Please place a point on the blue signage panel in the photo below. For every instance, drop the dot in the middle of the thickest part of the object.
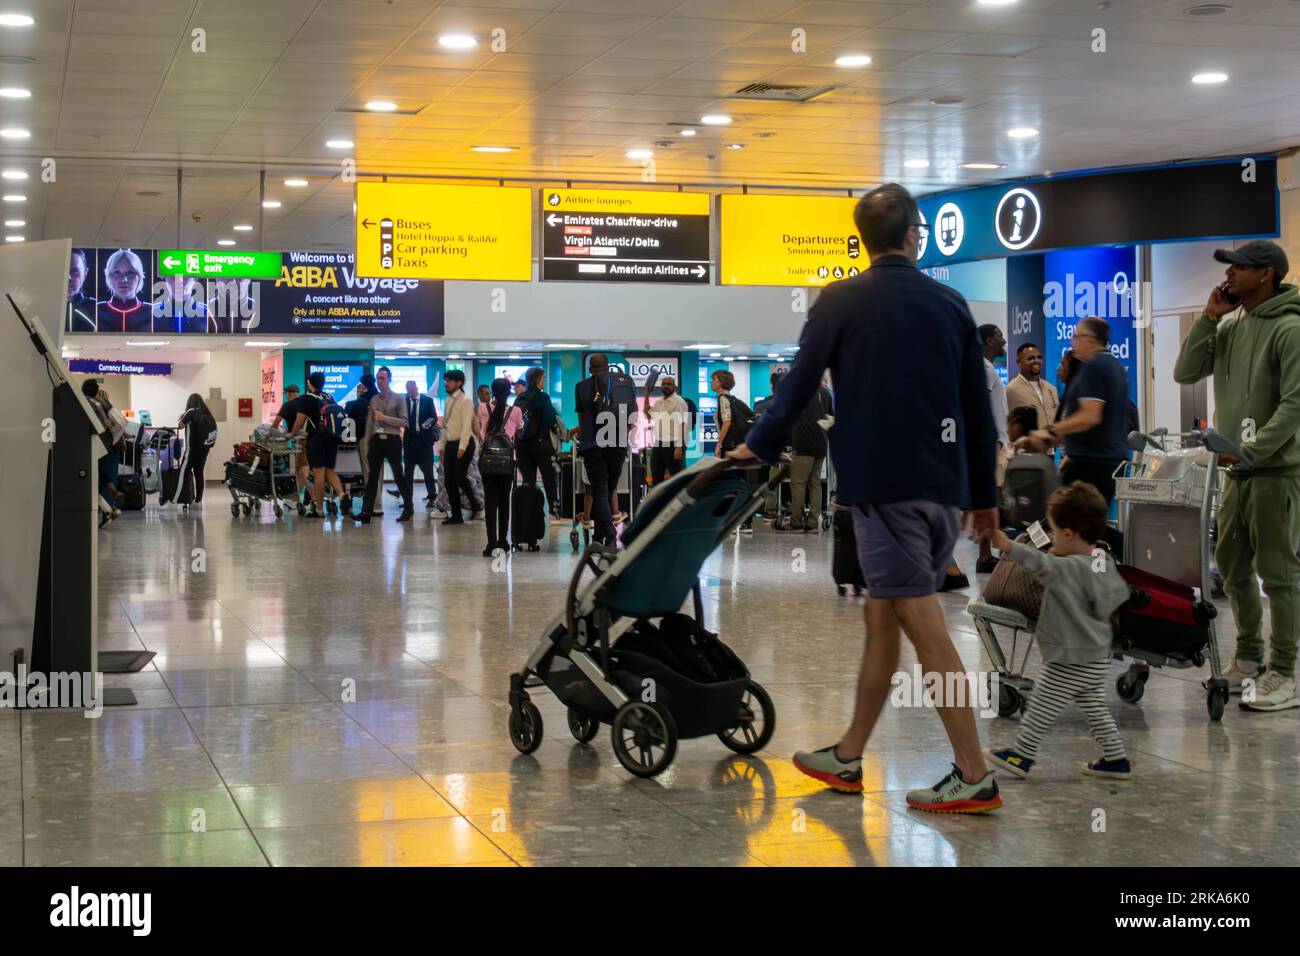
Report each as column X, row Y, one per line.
column 1233, row 198
column 1079, row 283
column 117, row 367
column 341, row 378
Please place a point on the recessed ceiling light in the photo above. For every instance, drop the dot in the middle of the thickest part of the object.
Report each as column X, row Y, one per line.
column 773, row 354
column 265, row 345
column 14, row 239
column 242, row 227
column 225, row 242
column 947, row 101
column 471, row 353
column 735, row 146
column 296, row 183
column 715, row 355
column 1209, row 78
column 339, row 143
column 14, row 132
column 916, row 164
column 983, row 165
column 457, row 41
column 564, row 345
column 1208, row 9
column 453, row 356
column 995, row 3
column 381, row 106
column 15, row 197
column 688, row 132
column 148, row 343
column 705, row 346
column 852, row 59
column 1022, row 132
column 15, row 20
column 14, row 174
column 493, row 149
column 14, row 92
column 715, row 119
column 640, row 153
column 270, row 204
column 15, row 223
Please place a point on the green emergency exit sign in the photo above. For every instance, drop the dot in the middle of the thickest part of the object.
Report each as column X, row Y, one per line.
column 205, row 264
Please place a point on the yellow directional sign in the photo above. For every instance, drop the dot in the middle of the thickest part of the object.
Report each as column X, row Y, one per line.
column 788, row 240
column 423, row 231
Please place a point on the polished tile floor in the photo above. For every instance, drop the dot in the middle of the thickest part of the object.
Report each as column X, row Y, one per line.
column 249, row 746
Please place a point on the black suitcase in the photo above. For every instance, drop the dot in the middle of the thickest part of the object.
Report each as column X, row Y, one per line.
column 566, row 485
column 174, row 490
column 1029, row 481
column 132, row 489
column 844, row 558
column 527, row 517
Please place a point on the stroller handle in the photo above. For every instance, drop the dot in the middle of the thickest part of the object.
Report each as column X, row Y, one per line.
column 703, row 479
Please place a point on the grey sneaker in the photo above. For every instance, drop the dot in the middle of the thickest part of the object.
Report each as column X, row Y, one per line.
column 1275, row 691
column 825, row 765
column 952, row 794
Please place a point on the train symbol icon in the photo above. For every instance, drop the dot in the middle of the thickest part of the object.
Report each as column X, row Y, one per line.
column 950, row 228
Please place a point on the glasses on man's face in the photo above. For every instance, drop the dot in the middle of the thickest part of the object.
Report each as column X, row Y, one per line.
column 120, row 275
column 922, row 229
column 1085, row 335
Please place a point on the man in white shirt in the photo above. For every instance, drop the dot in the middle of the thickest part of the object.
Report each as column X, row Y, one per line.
column 668, row 418
column 1028, row 388
column 458, row 447
column 995, row 346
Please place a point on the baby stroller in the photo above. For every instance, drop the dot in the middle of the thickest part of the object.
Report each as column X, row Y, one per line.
column 621, row 654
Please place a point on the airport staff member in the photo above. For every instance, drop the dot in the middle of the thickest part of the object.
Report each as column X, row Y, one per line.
column 1255, row 360
column 1028, row 388
column 417, row 441
column 670, row 418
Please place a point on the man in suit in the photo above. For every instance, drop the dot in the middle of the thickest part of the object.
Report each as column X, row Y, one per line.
column 1029, row 387
column 417, row 441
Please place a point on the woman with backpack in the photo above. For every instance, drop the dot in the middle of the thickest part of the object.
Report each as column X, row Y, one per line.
column 535, row 449
column 322, row 418
column 200, row 435
column 500, row 423
column 734, row 419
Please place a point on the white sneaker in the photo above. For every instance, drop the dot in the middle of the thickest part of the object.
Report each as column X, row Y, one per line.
column 1235, row 673
column 1275, row 691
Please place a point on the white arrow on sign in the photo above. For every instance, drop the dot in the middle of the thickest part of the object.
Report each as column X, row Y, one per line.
column 552, row 219
column 171, row 262
column 700, row 271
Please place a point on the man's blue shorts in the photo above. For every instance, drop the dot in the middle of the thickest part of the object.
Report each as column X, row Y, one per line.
column 905, row 547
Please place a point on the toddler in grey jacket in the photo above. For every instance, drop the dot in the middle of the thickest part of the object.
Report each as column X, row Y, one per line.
column 1082, row 588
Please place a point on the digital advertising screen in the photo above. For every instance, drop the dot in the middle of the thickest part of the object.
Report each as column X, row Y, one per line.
column 341, row 378
column 401, row 374
column 120, row 291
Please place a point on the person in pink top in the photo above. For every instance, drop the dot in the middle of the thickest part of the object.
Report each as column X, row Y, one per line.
column 489, row 419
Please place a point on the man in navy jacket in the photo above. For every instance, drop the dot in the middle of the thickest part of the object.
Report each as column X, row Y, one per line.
column 914, row 445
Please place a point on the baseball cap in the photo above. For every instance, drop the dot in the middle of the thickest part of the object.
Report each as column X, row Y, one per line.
column 1260, row 253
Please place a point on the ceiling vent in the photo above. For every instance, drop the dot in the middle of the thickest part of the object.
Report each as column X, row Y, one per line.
column 1208, row 10
column 781, row 93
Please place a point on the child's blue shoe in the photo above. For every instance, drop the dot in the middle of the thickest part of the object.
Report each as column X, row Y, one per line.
column 1120, row 769
column 1011, row 761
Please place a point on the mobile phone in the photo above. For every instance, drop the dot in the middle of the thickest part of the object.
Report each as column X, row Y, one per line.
column 1228, row 296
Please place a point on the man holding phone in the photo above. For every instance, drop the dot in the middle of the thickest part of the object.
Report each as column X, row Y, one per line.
column 1254, row 357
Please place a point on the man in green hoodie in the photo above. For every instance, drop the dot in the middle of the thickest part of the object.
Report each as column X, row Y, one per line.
column 1255, row 360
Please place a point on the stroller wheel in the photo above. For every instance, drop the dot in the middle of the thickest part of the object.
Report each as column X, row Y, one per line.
column 757, row 722
column 526, row 727
column 302, row 508
column 279, row 511
column 331, row 507
column 234, row 508
column 583, row 728
column 573, row 539
column 644, row 737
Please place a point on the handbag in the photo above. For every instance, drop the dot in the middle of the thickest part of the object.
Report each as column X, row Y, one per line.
column 1013, row 587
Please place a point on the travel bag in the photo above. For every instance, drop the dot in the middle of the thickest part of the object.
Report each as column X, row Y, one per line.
column 1029, row 481
column 527, row 516
column 844, row 557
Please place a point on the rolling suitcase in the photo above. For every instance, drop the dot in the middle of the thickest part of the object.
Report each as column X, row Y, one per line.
column 1029, row 481
column 1163, row 617
column 844, row 557
column 132, row 489
column 566, row 486
column 527, row 517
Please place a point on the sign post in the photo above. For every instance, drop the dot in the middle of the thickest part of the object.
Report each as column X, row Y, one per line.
column 789, row 240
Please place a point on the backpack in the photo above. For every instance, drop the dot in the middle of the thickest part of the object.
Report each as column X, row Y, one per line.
column 333, row 419
column 497, row 457
column 206, row 427
column 618, row 401
column 742, row 420
column 532, row 427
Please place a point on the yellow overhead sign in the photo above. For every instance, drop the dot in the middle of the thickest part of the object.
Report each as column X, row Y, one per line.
column 642, row 201
column 420, row 231
column 788, row 240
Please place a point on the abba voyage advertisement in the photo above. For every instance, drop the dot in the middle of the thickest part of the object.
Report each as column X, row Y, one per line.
column 119, row 291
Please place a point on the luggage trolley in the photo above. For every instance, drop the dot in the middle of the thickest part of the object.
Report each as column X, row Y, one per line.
column 1167, row 500
column 1166, row 497
column 270, row 476
column 624, row 487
